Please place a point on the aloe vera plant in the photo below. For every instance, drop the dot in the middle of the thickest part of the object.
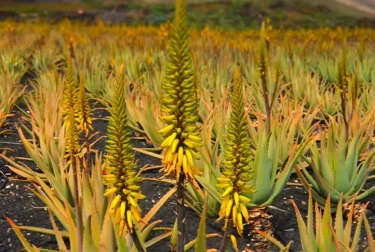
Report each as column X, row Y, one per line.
column 339, row 166
column 88, row 228
column 11, row 92
column 326, row 233
column 98, row 230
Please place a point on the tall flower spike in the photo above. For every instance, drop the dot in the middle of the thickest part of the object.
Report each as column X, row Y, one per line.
column 343, row 74
column 179, row 102
column 262, row 61
column 70, row 97
column 120, row 168
column 342, row 87
column 72, row 147
column 85, row 122
column 235, row 166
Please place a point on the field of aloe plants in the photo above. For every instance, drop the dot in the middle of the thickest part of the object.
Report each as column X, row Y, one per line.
column 121, row 138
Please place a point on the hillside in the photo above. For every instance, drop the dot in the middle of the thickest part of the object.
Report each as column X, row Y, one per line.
column 362, row 5
column 226, row 14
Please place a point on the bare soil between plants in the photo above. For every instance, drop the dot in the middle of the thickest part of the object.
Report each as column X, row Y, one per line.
column 19, row 204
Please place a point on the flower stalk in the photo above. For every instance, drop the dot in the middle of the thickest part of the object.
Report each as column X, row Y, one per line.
column 263, row 65
column 181, row 135
column 84, row 119
column 342, row 85
column 72, row 147
column 235, row 167
column 120, row 171
column 73, row 150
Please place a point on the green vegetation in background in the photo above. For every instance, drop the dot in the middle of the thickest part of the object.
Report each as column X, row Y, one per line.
column 228, row 15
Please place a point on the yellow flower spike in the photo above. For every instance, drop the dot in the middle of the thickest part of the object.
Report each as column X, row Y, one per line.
column 234, row 215
column 72, row 147
column 129, row 219
column 164, row 144
column 117, row 216
column 228, row 209
column 244, row 212
column 110, row 181
column 123, row 209
column 115, row 202
column 132, row 201
column 168, row 156
column 167, row 130
column 244, row 199
column 221, row 216
column 120, row 167
column 84, row 120
column 185, row 165
column 179, row 98
column 223, row 179
column 195, row 138
column 174, row 145
column 227, row 191
column 137, row 195
column 110, row 191
column 121, row 228
column 195, row 155
column 239, row 223
column 236, row 199
column 234, row 242
column 189, row 157
column 223, row 186
column 179, row 93
column 174, row 158
column 235, row 166
column 180, row 155
column 169, row 140
column 70, row 96
column 167, row 119
column 136, row 213
column 133, row 187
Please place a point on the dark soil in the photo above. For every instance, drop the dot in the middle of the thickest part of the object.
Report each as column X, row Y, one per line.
column 19, row 204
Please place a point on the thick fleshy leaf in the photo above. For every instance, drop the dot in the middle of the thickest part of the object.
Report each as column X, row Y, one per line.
column 20, row 236
column 284, row 174
column 339, row 223
column 58, row 234
column 370, row 239
column 157, row 239
column 262, row 172
column 327, row 170
column 191, row 244
column 88, row 242
column 147, row 230
column 106, row 243
column 57, row 209
column 71, row 228
column 211, row 189
column 325, row 187
column 274, row 241
column 156, row 207
column 201, row 236
column 305, row 239
column 310, row 226
column 326, row 223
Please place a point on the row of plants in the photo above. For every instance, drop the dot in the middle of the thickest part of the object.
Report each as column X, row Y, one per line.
column 230, row 116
